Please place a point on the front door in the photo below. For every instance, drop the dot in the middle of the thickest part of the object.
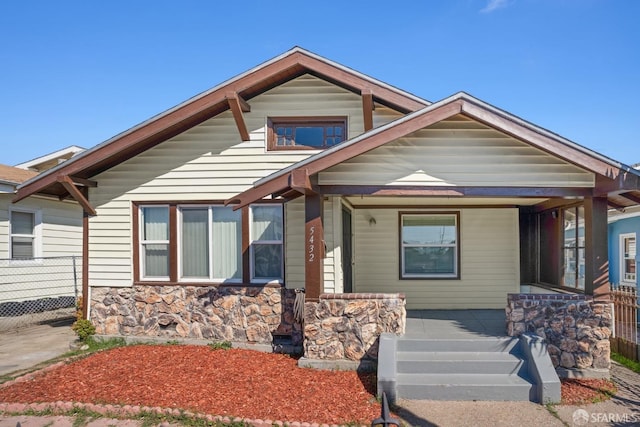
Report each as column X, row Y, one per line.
column 347, row 251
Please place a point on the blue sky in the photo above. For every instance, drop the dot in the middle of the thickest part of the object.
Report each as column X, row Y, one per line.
column 79, row 72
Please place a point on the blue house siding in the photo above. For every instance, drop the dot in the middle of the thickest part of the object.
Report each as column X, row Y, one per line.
column 622, row 226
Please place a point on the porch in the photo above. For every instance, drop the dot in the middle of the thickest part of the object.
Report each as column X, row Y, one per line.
column 459, row 324
column 464, row 355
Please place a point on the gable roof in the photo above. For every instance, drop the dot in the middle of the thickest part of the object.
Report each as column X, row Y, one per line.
column 624, row 176
column 283, row 68
column 50, row 160
column 13, row 175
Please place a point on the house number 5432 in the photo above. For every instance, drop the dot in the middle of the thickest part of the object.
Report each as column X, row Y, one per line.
column 311, row 248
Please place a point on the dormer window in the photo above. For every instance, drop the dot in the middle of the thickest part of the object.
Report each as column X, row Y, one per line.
column 305, row 133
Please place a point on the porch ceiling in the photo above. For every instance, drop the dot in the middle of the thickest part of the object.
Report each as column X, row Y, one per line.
column 383, row 201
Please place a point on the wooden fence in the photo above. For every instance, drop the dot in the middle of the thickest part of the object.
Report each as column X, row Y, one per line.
column 625, row 335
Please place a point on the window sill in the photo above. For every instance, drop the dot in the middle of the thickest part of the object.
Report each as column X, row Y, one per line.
column 210, row 284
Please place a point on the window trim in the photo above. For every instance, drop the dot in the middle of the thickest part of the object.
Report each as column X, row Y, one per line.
column 622, row 238
column 210, row 279
column 142, row 242
column 136, row 255
column 265, row 242
column 457, row 275
column 37, row 236
column 577, row 249
column 301, row 120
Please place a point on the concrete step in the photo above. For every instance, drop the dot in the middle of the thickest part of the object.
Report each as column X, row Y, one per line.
column 464, row 387
column 420, row 344
column 459, row 362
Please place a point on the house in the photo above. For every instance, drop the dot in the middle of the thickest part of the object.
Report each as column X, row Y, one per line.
column 624, row 229
column 302, row 173
column 46, row 162
column 39, row 238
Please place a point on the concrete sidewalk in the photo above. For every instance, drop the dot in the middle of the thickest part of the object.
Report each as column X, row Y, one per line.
column 622, row 410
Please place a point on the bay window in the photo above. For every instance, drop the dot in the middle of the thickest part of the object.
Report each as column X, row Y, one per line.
column 204, row 243
column 429, row 245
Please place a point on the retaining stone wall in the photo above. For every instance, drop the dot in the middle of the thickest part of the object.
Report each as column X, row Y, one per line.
column 575, row 327
column 347, row 326
column 252, row 314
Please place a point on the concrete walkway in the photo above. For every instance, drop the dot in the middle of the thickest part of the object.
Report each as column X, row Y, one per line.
column 26, row 347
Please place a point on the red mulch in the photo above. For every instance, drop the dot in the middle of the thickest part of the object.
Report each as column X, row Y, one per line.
column 581, row 392
column 236, row 383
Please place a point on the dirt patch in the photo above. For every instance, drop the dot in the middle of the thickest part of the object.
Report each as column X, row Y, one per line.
column 237, row 382
column 585, row 391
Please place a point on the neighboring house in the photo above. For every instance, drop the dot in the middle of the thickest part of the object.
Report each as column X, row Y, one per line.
column 38, row 238
column 624, row 231
column 46, row 162
column 303, row 173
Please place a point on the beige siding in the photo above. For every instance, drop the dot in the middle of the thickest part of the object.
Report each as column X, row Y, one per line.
column 330, row 254
column 294, row 243
column 58, row 239
column 209, row 162
column 489, row 260
column 457, row 152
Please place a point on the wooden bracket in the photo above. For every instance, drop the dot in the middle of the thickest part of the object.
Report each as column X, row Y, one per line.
column 367, row 108
column 238, row 106
column 299, row 181
column 70, row 186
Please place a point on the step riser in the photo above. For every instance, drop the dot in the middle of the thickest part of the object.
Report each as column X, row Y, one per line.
column 457, row 345
column 460, row 367
column 466, row 392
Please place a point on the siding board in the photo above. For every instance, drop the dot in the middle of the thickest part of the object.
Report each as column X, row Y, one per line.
column 490, row 260
column 210, row 162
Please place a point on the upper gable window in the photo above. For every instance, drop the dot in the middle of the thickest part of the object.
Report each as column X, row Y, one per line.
column 306, row 133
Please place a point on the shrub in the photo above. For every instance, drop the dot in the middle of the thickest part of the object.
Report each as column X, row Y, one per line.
column 220, row 345
column 84, row 329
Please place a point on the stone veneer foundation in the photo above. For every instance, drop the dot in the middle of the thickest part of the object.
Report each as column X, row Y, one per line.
column 347, row 326
column 248, row 314
column 576, row 329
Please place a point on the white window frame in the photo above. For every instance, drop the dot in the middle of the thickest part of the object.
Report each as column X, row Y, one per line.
column 623, row 274
column 430, row 276
column 265, row 242
column 210, row 238
column 37, row 236
column 142, row 242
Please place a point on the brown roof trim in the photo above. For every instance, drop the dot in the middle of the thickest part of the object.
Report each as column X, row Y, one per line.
column 174, row 121
column 460, row 103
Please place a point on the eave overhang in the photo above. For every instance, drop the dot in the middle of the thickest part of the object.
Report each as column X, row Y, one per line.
column 233, row 94
column 613, row 179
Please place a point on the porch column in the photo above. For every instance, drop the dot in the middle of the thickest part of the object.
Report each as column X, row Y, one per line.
column 314, row 247
column 596, row 278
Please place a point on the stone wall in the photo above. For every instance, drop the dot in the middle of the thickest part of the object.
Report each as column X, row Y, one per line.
column 575, row 327
column 252, row 314
column 347, row 326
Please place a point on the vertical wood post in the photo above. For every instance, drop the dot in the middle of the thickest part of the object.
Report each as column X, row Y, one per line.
column 596, row 279
column 85, row 265
column 314, row 247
